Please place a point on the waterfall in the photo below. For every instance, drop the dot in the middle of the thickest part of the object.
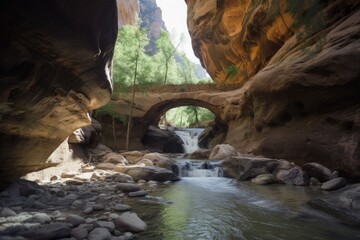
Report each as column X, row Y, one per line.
column 199, row 168
column 190, row 137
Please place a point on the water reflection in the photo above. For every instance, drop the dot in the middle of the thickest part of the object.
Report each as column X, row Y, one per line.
column 220, row 208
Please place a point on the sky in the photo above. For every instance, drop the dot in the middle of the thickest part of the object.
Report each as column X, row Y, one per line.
column 174, row 16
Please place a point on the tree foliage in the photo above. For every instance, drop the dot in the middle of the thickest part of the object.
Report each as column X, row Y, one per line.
column 189, row 116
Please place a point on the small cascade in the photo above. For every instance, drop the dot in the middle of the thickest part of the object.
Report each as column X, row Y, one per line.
column 190, row 138
column 199, row 168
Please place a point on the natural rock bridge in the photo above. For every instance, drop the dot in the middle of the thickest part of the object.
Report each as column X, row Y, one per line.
column 153, row 101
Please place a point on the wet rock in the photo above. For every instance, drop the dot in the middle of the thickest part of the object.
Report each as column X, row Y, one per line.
column 79, row 233
column 12, row 238
column 334, row 184
column 318, row 171
column 7, row 212
column 99, row 234
column 264, row 179
column 343, row 203
column 200, row 154
column 295, row 176
column 222, row 151
column 152, row 173
column 103, row 224
column 140, row 193
column 130, row 222
column 128, row 187
column 246, row 168
column 41, row 218
column 122, row 208
column 75, row 220
column 48, row 232
column 314, row 182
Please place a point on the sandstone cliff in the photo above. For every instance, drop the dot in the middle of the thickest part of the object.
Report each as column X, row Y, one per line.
column 300, row 62
column 55, row 69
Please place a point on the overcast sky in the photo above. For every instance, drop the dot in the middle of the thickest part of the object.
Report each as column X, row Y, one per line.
column 174, row 16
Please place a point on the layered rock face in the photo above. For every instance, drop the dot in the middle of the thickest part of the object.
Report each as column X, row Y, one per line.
column 55, row 68
column 128, row 10
column 299, row 62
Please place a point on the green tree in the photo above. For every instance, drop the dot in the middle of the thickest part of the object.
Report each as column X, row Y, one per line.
column 167, row 49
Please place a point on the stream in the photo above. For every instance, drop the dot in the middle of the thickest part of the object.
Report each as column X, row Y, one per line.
column 206, row 206
column 210, row 208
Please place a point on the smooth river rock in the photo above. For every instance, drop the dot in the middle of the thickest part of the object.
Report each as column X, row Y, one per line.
column 318, row 171
column 343, row 203
column 130, row 222
column 334, row 184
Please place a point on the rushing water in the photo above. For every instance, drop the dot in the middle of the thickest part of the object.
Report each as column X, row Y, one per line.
column 190, row 138
column 214, row 208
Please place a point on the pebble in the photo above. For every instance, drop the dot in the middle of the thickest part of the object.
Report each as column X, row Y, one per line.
column 99, row 234
column 88, row 210
column 130, row 222
column 79, row 233
column 98, row 207
column 122, row 207
column 103, row 224
column 75, row 220
column 140, row 193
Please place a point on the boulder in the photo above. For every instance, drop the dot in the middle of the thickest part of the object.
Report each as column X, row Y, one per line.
column 114, row 158
column 105, row 166
column 79, row 233
column 334, row 184
column 200, row 154
column 246, row 168
column 75, row 220
column 140, row 193
column 342, row 203
column 47, row 232
column 145, row 162
column 130, row 222
column 128, row 187
column 162, row 161
column 318, row 171
column 88, row 135
column 120, row 177
column 264, row 179
column 133, row 156
column 222, row 151
column 162, row 140
column 295, row 176
column 99, row 234
column 151, row 173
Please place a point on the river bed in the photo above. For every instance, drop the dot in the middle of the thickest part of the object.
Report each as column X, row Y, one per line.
column 210, row 208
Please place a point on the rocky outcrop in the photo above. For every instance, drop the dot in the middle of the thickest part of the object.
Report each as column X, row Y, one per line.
column 151, row 19
column 343, row 203
column 299, row 65
column 55, row 69
column 128, row 10
column 162, row 140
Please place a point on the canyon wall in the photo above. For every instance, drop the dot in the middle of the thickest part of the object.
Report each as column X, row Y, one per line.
column 55, row 69
column 299, row 63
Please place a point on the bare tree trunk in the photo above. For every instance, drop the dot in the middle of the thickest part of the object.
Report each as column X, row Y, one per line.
column 166, row 70
column 114, row 133
column 133, row 99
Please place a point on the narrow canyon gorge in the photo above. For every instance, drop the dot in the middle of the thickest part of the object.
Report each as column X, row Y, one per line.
column 78, row 154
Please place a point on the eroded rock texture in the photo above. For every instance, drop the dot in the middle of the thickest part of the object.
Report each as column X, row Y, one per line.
column 55, row 68
column 300, row 62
